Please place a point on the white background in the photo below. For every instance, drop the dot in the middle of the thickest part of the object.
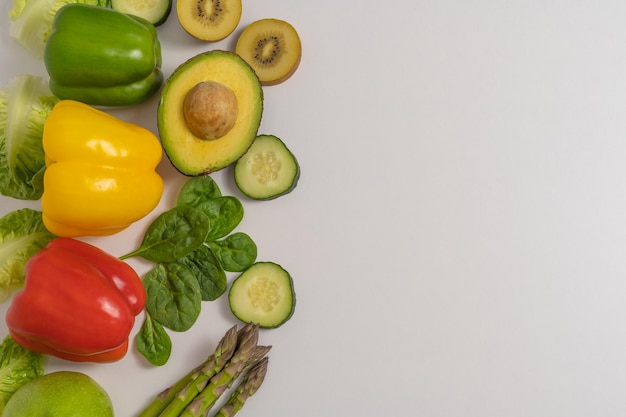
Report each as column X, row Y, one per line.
column 458, row 236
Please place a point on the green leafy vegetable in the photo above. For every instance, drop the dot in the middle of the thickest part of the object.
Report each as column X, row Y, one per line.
column 153, row 342
column 197, row 190
column 173, row 296
column 208, row 271
column 224, row 213
column 22, row 234
column 17, row 367
column 31, row 21
column 25, row 103
column 183, row 242
column 235, row 252
column 173, row 234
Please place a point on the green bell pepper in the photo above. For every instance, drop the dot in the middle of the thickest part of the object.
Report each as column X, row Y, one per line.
column 102, row 57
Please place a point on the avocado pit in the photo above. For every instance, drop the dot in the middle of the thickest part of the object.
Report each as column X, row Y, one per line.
column 210, row 110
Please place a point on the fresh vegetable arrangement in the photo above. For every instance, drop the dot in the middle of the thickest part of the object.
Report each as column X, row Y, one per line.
column 193, row 248
column 97, row 174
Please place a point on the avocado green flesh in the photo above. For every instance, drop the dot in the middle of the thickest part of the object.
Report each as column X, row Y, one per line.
column 194, row 156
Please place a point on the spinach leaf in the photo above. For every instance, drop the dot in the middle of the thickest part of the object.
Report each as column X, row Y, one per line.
column 224, row 213
column 207, row 269
column 173, row 234
column 153, row 342
column 173, row 296
column 198, row 189
column 17, row 366
column 235, row 252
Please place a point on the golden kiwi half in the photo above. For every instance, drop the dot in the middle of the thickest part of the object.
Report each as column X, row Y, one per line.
column 209, row 20
column 272, row 48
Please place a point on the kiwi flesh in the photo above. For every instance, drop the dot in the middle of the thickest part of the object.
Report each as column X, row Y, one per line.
column 273, row 49
column 209, row 20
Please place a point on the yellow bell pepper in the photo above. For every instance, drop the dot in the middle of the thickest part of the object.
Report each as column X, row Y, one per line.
column 100, row 171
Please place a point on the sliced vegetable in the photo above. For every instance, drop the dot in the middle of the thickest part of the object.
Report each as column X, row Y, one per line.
column 25, row 103
column 17, row 367
column 102, row 57
column 22, row 234
column 154, row 11
column 101, row 171
column 31, row 21
column 263, row 294
column 78, row 303
column 268, row 170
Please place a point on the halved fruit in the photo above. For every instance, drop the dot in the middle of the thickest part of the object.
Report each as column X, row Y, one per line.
column 209, row 113
column 209, row 20
column 272, row 47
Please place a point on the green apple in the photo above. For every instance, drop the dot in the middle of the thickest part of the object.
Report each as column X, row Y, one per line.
column 60, row 394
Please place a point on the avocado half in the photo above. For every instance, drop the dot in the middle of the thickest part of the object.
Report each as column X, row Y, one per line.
column 188, row 153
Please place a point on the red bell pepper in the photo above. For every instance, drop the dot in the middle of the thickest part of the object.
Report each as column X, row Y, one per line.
column 78, row 303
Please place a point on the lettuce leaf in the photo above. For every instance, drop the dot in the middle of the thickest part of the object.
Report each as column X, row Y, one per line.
column 25, row 102
column 17, row 367
column 22, row 234
column 31, row 21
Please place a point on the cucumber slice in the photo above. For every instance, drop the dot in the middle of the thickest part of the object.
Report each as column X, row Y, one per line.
column 268, row 170
column 154, row 11
column 263, row 294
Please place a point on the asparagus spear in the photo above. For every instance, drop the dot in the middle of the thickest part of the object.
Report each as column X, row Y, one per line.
column 248, row 386
column 245, row 348
column 203, row 402
column 212, row 365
